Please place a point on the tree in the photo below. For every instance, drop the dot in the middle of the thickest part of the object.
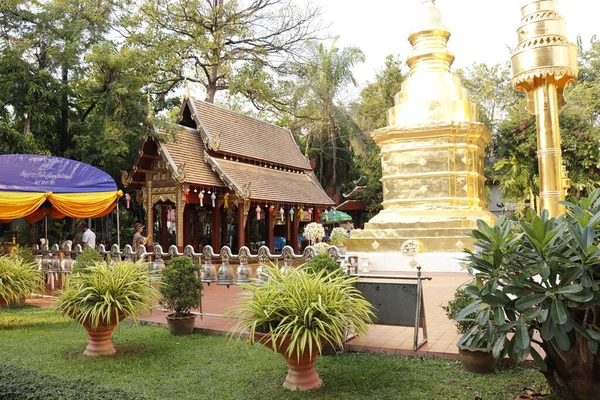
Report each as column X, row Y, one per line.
column 221, row 44
column 330, row 127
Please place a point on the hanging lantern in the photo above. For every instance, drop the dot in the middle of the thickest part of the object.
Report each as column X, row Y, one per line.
column 127, row 199
column 226, row 200
column 258, row 209
column 310, row 213
column 201, row 197
column 300, row 213
column 281, row 213
column 318, row 215
column 186, row 193
column 271, row 208
column 291, row 213
column 213, row 197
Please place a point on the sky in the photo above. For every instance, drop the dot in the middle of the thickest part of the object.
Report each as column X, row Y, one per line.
column 482, row 31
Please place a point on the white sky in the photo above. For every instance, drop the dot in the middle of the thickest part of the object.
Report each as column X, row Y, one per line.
column 480, row 30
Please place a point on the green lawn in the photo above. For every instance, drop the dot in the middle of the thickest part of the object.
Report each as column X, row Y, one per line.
column 152, row 364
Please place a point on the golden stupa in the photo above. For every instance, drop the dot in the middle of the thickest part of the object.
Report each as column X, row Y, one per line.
column 432, row 154
column 543, row 64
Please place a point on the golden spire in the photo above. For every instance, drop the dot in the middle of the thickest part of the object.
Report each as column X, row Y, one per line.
column 431, row 92
column 543, row 64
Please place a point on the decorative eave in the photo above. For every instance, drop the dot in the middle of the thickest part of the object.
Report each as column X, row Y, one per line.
column 242, row 192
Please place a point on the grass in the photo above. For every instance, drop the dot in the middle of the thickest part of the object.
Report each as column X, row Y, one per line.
column 151, row 363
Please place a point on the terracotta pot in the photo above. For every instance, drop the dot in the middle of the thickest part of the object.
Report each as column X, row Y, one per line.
column 100, row 343
column 180, row 326
column 524, row 397
column 480, row 361
column 301, row 370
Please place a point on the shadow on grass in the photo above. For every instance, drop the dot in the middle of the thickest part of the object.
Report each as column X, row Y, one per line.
column 30, row 317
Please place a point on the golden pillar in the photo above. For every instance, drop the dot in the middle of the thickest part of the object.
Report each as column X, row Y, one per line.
column 432, row 153
column 543, row 64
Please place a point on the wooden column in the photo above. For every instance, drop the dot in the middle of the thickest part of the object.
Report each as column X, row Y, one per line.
column 180, row 208
column 149, row 211
column 224, row 241
column 187, row 229
column 294, row 235
column 164, row 232
column 269, row 229
column 241, row 228
column 215, row 220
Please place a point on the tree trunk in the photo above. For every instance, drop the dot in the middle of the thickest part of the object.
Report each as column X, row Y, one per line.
column 64, row 111
column 577, row 375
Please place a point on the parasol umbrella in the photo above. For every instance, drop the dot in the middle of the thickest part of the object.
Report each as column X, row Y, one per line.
column 334, row 217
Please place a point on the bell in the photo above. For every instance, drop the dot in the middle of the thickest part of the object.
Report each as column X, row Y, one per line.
column 243, row 274
column 261, row 274
column 225, row 275
column 207, row 273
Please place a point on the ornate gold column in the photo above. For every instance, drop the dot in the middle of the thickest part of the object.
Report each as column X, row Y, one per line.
column 543, row 64
column 149, row 210
column 432, row 153
column 180, row 208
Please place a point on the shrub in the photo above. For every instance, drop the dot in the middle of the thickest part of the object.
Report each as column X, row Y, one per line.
column 18, row 383
column 321, row 262
column 538, row 279
column 460, row 300
column 18, row 279
column 181, row 286
column 103, row 292
column 88, row 257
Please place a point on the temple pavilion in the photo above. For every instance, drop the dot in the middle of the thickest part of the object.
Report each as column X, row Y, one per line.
column 220, row 178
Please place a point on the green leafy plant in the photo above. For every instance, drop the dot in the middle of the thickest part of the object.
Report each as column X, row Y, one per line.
column 313, row 308
column 88, row 257
column 181, row 286
column 103, row 293
column 338, row 236
column 474, row 335
column 322, row 262
column 539, row 280
column 25, row 254
column 18, row 279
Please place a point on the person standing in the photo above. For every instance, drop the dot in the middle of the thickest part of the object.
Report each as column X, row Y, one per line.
column 88, row 239
column 138, row 238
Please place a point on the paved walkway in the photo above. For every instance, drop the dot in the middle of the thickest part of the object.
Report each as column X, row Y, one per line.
column 442, row 334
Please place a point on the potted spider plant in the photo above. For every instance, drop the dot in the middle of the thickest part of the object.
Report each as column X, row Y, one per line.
column 101, row 296
column 475, row 344
column 18, row 279
column 182, row 291
column 295, row 314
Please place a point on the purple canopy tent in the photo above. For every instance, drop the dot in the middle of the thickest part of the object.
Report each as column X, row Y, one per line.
column 32, row 186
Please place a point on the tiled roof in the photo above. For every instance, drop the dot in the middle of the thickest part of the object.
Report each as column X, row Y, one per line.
column 272, row 185
column 247, row 137
column 186, row 147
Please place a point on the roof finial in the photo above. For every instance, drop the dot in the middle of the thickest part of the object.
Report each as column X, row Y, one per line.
column 149, row 105
column 186, row 94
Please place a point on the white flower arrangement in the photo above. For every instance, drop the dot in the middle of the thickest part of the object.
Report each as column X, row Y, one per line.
column 410, row 247
column 338, row 236
column 314, row 231
column 321, row 248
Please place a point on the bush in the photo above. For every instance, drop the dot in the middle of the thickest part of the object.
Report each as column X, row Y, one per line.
column 25, row 254
column 181, row 286
column 18, row 383
column 86, row 259
column 538, row 279
column 460, row 300
column 321, row 262
column 18, row 279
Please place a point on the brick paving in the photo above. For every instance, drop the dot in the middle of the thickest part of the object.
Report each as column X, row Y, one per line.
column 442, row 334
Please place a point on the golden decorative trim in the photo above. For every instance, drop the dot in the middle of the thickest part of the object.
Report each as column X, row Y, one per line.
column 558, row 72
column 179, row 175
column 126, row 178
column 214, row 142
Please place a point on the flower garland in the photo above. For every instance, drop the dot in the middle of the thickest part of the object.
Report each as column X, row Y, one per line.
column 410, row 247
column 314, row 231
